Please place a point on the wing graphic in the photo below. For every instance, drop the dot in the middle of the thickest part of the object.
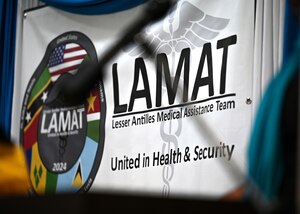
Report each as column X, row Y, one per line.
column 186, row 26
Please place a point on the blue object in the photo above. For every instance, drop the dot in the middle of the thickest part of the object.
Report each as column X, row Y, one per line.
column 93, row 7
column 291, row 31
column 266, row 164
column 8, row 11
column 265, row 161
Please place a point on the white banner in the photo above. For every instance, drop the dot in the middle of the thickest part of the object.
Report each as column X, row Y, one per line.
column 177, row 123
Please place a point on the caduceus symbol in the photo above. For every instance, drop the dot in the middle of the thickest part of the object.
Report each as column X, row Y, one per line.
column 186, row 26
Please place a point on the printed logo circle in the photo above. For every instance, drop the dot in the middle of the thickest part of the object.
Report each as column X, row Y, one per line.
column 63, row 145
column 61, row 136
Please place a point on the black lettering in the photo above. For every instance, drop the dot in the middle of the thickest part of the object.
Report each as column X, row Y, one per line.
column 202, row 81
column 224, row 43
column 162, row 64
column 140, row 66
column 196, row 153
column 204, row 156
column 118, row 108
column 114, row 167
column 155, row 159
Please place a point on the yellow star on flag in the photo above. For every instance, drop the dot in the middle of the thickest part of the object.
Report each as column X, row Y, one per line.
column 91, row 99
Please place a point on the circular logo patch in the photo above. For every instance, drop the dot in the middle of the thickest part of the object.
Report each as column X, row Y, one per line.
column 63, row 145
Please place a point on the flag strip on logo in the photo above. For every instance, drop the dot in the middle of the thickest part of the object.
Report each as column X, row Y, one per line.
column 30, row 134
column 65, row 58
column 38, row 94
column 36, row 115
column 93, row 116
column 93, row 130
column 37, row 103
column 93, row 101
column 51, row 183
column 65, row 180
column 37, row 171
column 39, row 86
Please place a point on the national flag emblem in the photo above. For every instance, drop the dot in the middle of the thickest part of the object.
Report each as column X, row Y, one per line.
column 37, row 171
column 77, row 182
column 65, row 58
column 93, row 114
column 93, row 101
column 56, row 169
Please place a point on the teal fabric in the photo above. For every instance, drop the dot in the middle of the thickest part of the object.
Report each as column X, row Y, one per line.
column 266, row 164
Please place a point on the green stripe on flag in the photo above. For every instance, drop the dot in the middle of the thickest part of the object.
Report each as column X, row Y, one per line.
column 93, row 130
column 51, row 183
column 42, row 81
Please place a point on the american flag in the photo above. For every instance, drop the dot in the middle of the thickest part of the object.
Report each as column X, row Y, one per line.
column 65, row 58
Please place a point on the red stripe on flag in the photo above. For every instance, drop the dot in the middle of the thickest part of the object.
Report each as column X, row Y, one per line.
column 69, row 50
column 71, row 68
column 74, row 58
